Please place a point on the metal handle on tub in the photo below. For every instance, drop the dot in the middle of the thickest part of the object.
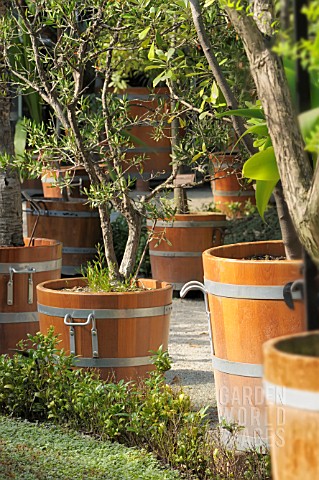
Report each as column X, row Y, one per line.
column 30, row 271
column 195, row 285
column 94, row 337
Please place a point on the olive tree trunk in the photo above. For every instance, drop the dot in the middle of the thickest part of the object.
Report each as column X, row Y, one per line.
column 11, row 233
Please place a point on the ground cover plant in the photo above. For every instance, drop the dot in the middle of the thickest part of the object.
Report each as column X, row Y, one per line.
column 49, row 448
column 37, row 384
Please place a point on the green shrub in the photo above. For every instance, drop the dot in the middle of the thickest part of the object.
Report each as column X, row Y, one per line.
column 38, row 383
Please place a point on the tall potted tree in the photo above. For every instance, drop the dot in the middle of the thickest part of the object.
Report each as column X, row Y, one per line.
column 114, row 329
column 23, row 262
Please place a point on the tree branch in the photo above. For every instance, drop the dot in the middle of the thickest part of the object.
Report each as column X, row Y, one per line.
column 231, row 101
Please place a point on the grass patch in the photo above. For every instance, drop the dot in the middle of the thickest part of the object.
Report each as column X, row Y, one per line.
column 45, row 452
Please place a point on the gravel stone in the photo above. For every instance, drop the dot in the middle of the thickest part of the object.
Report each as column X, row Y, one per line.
column 190, row 351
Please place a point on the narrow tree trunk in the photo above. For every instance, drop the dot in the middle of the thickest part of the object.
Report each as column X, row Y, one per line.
column 289, row 237
column 11, row 233
column 238, row 123
column 134, row 221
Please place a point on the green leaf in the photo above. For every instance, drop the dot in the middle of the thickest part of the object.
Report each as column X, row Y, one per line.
column 197, row 156
column 170, row 53
column 151, row 53
column 158, row 79
column 203, row 115
column 144, row 33
column 261, row 130
column 264, row 189
column 20, row 138
column 262, row 166
column 307, row 121
column 214, row 92
column 243, row 112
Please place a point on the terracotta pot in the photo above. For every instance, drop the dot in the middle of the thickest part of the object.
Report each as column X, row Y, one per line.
column 73, row 223
column 291, row 382
column 247, row 308
column 21, row 269
column 120, row 328
column 178, row 259
column 226, row 187
column 78, row 177
column 158, row 153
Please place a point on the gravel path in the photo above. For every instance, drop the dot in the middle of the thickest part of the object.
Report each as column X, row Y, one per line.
column 190, row 351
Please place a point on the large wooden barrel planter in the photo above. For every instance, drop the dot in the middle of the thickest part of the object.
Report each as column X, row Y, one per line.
column 177, row 259
column 226, row 188
column 111, row 332
column 247, row 308
column 143, row 102
column 21, row 269
column 76, row 176
column 291, row 382
column 71, row 222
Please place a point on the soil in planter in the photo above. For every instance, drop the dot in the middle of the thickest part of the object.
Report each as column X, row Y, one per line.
column 265, row 257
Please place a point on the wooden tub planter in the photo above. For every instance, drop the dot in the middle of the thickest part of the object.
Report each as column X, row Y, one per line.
column 246, row 307
column 77, row 177
column 226, row 187
column 111, row 332
column 291, row 383
column 144, row 101
column 71, row 222
column 177, row 259
column 21, row 269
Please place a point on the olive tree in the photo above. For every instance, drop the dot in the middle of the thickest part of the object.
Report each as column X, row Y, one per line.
column 70, row 46
column 10, row 193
